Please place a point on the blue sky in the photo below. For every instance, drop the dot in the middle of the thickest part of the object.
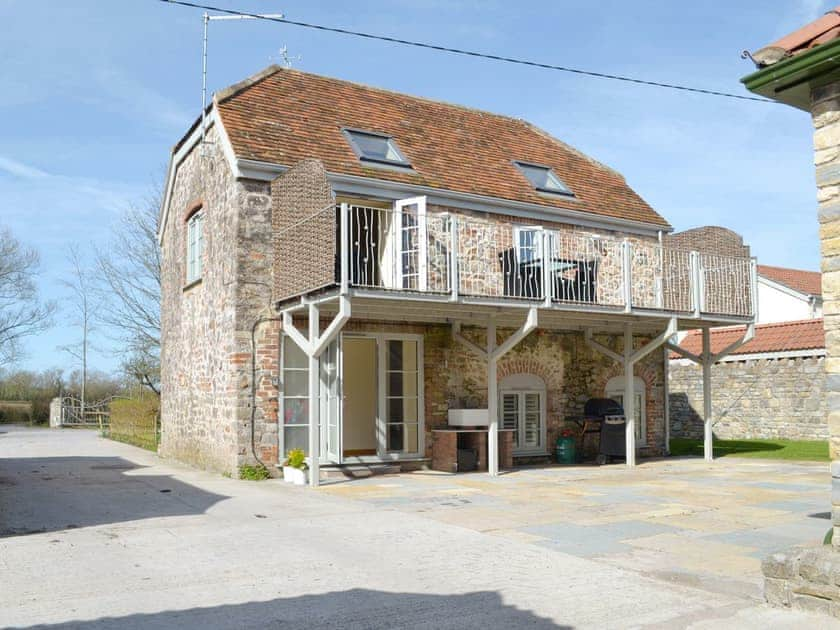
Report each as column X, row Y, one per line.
column 95, row 94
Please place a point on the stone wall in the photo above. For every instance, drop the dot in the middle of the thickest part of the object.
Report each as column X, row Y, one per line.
column 206, row 326
column 760, row 399
column 571, row 370
column 198, row 321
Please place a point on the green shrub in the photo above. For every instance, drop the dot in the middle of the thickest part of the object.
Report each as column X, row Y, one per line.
column 253, row 473
column 296, row 458
column 136, row 421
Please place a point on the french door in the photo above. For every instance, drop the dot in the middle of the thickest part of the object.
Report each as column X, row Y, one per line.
column 523, row 412
column 294, row 376
column 329, row 407
column 394, row 370
column 405, row 255
column 400, row 386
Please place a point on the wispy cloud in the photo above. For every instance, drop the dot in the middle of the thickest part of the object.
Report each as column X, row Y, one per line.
column 19, row 169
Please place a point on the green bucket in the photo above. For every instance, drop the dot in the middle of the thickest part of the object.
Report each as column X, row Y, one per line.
column 564, row 450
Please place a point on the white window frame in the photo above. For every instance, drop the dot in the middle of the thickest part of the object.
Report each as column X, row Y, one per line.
column 195, row 246
column 519, row 385
column 536, row 247
column 615, row 389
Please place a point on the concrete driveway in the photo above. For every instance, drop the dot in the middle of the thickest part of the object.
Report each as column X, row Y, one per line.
column 95, row 534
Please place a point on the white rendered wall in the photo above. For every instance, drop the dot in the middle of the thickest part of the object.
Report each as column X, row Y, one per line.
column 775, row 305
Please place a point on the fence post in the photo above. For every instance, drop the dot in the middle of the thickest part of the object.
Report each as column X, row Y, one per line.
column 627, row 263
column 344, row 248
column 694, row 260
column 454, row 279
column 546, row 268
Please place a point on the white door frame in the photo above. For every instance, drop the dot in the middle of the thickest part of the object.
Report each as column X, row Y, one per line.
column 381, row 406
column 422, row 241
column 329, row 452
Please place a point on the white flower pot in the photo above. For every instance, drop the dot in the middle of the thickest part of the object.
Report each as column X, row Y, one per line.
column 294, row 475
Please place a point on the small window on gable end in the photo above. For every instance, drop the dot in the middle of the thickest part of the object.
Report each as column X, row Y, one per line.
column 375, row 147
column 544, row 179
column 195, row 246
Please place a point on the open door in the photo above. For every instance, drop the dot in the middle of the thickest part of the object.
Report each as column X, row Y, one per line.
column 329, row 406
column 405, row 256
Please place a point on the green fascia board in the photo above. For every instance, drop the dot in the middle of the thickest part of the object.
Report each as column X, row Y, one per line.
column 790, row 81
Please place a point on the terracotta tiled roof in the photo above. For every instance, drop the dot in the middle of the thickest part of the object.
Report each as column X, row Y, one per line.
column 820, row 31
column 808, row 282
column 782, row 337
column 283, row 116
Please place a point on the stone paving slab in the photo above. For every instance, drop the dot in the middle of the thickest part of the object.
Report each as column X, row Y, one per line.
column 709, row 523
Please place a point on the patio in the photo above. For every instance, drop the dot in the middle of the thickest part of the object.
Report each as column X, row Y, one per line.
column 687, row 521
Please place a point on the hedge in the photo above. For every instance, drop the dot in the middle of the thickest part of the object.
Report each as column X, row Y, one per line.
column 136, row 421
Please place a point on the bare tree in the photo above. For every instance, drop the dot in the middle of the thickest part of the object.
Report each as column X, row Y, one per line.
column 129, row 285
column 82, row 303
column 22, row 314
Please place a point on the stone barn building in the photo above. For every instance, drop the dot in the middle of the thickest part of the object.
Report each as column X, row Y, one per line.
column 353, row 272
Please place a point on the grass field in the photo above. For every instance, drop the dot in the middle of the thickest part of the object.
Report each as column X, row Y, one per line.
column 816, row 451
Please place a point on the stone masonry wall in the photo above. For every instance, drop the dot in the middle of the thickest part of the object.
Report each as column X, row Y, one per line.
column 198, row 322
column 755, row 399
column 206, row 326
column 825, row 111
column 572, row 372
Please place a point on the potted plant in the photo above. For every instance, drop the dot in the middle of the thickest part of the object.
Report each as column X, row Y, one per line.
column 294, row 468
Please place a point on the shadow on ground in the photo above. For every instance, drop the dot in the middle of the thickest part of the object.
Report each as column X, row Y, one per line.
column 356, row 608
column 55, row 493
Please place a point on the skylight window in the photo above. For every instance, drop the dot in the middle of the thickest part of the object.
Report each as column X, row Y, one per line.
column 375, row 147
column 543, row 179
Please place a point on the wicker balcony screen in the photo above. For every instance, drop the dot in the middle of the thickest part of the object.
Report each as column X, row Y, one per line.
column 304, row 226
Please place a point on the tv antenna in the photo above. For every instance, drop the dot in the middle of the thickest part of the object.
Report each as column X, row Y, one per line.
column 286, row 59
column 211, row 18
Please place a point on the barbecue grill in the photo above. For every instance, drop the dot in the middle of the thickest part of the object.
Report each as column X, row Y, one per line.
column 608, row 415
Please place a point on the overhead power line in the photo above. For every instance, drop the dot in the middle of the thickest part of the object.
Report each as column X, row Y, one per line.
column 470, row 53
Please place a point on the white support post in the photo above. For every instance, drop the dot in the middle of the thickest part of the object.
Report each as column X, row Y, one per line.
column 492, row 402
column 344, row 247
column 453, row 258
column 706, row 360
column 708, row 452
column 492, row 353
column 627, row 264
column 313, row 345
column 628, row 359
column 546, row 268
column 314, row 399
column 666, row 394
column 629, row 399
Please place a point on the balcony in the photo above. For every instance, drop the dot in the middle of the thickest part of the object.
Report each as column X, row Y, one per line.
column 416, row 253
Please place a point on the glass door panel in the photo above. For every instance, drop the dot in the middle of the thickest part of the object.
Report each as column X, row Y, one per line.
column 402, row 417
column 295, row 390
column 411, row 238
column 328, row 407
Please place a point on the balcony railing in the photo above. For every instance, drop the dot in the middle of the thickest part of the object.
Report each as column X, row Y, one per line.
column 414, row 251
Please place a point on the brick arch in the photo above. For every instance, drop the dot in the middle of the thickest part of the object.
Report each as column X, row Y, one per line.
column 523, row 366
column 645, row 372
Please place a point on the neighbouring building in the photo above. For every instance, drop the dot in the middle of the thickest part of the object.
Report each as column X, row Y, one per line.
column 802, row 70
column 773, row 385
column 345, row 268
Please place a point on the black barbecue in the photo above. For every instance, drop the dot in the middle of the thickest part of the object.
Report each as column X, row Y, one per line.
column 611, row 423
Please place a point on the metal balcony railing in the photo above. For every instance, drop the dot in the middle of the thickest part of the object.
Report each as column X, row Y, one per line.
column 412, row 250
